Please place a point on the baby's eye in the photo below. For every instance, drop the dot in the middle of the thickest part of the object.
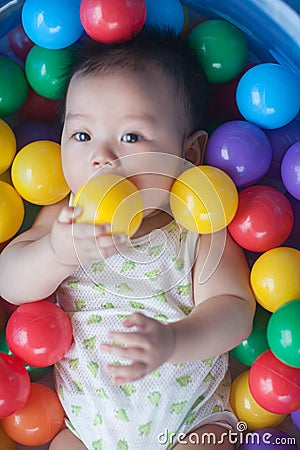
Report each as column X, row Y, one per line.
column 82, row 137
column 131, row 138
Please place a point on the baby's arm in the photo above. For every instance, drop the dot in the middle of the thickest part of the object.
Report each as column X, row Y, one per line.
column 224, row 302
column 34, row 264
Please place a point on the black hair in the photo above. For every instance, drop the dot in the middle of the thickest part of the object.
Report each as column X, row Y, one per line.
column 152, row 49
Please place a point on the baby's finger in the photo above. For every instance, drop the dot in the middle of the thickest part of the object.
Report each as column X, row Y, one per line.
column 84, row 230
column 137, row 319
column 132, row 353
column 129, row 338
column 127, row 373
column 68, row 214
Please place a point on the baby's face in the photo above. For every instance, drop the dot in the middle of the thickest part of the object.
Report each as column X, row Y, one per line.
column 128, row 123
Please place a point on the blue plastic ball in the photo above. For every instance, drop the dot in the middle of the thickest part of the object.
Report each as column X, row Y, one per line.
column 268, row 95
column 52, row 24
column 165, row 14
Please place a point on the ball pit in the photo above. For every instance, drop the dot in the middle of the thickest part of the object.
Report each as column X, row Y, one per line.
column 272, row 36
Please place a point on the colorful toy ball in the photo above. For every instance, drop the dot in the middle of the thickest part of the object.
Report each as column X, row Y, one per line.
column 37, row 173
column 111, row 21
column 110, row 198
column 48, row 71
column 168, row 14
column 19, row 42
column 14, row 385
column 295, row 416
column 204, row 199
column 247, row 409
column 275, row 277
column 11, row 211
column 265, row 437
column 52, row 24
column 222, row 49
column 39, row 333
column 274, row 385
column 290, row 169
column 241, row 149
column 39, row 420
column 6, row 442
column 264, row 219
column 268, row 95
column 8, row 146
column 256, row 343
column 13, row 87
column 283, row 333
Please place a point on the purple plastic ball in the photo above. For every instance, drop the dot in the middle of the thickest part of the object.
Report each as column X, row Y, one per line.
column 290, row 170
column 240, row 149
column 281, row 139
column 295, row 415
column 32, row 130
column 266, row 438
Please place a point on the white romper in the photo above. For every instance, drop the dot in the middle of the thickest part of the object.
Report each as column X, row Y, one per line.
column 153, row 277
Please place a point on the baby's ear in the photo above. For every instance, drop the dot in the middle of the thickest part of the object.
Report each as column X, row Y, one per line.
column 194, row 147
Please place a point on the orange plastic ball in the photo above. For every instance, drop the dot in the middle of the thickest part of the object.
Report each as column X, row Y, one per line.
column 39, row 420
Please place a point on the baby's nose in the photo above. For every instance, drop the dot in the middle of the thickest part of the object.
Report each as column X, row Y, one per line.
column 103, row 158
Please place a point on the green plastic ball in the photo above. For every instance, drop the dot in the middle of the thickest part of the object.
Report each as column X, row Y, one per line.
column 13, row 87
column 256, row 343
column 283, row 333
column 48, row 71
column 222, row 49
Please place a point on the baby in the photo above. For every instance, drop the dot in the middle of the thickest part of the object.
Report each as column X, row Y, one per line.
column 148, row 364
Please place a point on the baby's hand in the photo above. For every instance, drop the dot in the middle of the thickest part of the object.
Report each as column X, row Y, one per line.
column 80, row 243
column 148, row 347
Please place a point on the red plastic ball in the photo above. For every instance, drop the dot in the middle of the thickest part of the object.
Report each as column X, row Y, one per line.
column 274, row 385
column 39, row 333
column 40, row 108
column 264, row 219
column 39, row 420
column 111, row 21
column 14, row 385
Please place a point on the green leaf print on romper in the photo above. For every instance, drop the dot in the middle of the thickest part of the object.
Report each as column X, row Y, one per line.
column 154, row 397
column 98, row 419
column 128, row 265
column 184, row 380
column 90, row 343
column 74, row 363
column 144, row 430
column 155, row 250
column 160, row 295
column 99, row 288
column 97, row 445
column 128, row 389
column 184, row 289
column 152, row 274
column 79, row 305
column 120, row 414
column 122, row 445
column 178, row 407
column 98, row 266
column 136, row 305
column 93, row 368
column 123, row 288
column 94, row 318
column 78, row 386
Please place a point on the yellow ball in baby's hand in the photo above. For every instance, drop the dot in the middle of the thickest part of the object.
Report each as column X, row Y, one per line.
column 110, row 198
column 204, row 199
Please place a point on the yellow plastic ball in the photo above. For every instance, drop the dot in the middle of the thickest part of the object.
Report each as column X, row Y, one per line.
column 204, row 199
column 8, row 146
column 247, row 409
column 110, row 198
column 11, row 211
column 275, row 277
column 37, row 173
column 6, row 442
